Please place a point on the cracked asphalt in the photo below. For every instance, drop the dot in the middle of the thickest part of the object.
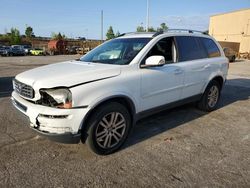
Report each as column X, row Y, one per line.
column 182, row 147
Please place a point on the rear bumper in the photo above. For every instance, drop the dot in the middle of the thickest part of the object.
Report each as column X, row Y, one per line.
column 61, row 125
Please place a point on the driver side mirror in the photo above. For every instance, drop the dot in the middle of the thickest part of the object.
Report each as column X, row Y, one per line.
column 154, row 61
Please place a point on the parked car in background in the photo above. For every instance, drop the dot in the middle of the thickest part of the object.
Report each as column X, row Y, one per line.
column 82, row 51
column 6, row 51
column 27, row 49
column 37, row 51
column 1, row 49
column 72, row 49
column 82, row 38
column 230, row 54
column 17, row 50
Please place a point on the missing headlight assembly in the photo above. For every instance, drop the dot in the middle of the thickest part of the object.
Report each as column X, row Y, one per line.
column 58, row 98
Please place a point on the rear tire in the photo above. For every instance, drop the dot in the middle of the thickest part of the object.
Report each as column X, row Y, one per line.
column 233, row 59
column 210, row 97
column 108, row 128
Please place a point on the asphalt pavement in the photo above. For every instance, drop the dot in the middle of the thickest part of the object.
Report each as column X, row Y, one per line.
column 181, row 147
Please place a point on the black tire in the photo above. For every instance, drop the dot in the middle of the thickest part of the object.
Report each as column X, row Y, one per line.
column 204, row 104
column 94, row 125
column 233, row 59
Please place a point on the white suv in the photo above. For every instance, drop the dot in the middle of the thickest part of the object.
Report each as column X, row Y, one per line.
column 98, row 98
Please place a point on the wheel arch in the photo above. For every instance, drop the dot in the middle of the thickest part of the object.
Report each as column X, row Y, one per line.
column 217, row 78
column 122, row 99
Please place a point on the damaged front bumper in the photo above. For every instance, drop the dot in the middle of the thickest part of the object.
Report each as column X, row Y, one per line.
column 61, row 125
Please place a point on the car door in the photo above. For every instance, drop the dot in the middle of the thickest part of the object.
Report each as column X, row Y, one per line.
column 161, row 85
column 195, row 63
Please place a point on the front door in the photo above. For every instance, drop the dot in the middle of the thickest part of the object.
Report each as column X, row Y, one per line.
column 162, row 85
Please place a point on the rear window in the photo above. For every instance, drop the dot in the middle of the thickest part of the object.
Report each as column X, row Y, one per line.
column 189, row 48
column 211, row 47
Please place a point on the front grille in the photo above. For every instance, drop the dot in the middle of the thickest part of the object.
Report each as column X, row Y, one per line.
column 23, row 89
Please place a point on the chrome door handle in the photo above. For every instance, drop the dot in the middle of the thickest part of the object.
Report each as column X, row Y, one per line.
column 207, row 66
column 178, row 71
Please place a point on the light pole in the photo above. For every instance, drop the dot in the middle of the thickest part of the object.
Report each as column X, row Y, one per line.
column 147, row 19
column 87, row 33
column 102, row 25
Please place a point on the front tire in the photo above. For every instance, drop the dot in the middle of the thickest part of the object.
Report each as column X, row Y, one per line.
column 108, row 128
column 210, row 98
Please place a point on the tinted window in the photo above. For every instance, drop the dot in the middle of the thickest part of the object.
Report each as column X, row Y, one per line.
column 211, row 47
column 189, row 48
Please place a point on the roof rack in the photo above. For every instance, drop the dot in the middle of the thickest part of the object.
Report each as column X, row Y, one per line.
column 158, row 33
column 154, row 34
column 187, row 30
column 132, row 33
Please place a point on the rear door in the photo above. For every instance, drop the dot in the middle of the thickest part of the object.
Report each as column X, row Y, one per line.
column 193, row 58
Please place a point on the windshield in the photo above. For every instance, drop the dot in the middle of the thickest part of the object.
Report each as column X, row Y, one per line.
column 117, row 51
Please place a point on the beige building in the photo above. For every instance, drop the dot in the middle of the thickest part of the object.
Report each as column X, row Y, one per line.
column 232, row 29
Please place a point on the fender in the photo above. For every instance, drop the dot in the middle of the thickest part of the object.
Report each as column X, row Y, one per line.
column 107, row 98
column 212, row 76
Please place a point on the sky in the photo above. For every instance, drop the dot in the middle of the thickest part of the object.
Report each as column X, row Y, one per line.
column 82, row 18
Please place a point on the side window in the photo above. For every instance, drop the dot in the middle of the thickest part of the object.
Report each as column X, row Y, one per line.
column 165, row 47
column 211, row 47
column 189, row 48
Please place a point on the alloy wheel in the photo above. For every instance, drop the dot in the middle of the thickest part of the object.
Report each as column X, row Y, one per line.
column 213, row 96
column 110, row 130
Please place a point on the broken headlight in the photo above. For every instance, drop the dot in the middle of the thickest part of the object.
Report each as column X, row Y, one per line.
column 58, row 98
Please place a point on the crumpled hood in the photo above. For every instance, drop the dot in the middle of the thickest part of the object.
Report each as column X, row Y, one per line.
column 67, row 74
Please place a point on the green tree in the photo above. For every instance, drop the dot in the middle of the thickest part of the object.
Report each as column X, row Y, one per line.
column 58, row 36
column 163, row 27
column 140, row 29
column 14, row 36
column 29, row 32
column 151, row 29
column 110, row 33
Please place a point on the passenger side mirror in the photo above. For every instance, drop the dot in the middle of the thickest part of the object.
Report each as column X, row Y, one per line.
column 154, row 61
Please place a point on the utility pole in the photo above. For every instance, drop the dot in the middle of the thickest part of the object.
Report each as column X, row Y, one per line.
column 102, row 25
column 147, row 19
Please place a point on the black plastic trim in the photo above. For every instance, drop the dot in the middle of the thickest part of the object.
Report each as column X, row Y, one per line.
column 66, row 138
column 158, row 109
column 158, row 33
column 78, row 107
column 18, row 105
